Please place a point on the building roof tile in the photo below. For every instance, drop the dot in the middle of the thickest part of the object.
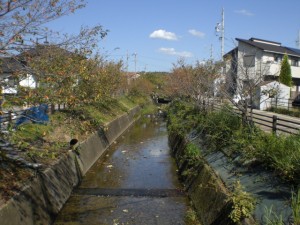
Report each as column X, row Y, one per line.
column 271, row 46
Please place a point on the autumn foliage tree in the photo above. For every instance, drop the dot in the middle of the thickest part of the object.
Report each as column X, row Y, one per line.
column 70, row 78
column 65, row 69
column 21, row 22
column 194, row 81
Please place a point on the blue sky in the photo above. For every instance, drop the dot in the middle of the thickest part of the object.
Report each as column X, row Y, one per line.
column 162, row 31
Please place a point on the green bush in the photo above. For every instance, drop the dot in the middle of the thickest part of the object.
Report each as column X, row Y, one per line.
column 219, row 127
column 243, row 203
column 182, row 117
column 222, row 130
column 290, row 112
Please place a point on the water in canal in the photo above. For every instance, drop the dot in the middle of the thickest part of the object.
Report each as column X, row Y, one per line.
column 134, row 183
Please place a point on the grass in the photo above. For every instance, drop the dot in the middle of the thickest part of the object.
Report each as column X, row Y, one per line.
column 223, row 131
column 44, row 144
column 191, row 217
column 296, row 207
column 271, row 218
column 291, row 112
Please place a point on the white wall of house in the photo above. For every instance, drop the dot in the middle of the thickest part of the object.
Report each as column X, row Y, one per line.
column 295, row 71
column 283, row 95
column 28, row 82
column 11, row 88
column 247, row 50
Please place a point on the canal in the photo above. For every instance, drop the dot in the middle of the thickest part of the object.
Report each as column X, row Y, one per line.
column 135, row 182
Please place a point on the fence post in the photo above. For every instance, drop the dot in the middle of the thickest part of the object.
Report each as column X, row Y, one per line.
column 9, row 116
column 274, row 124
column 52, row 106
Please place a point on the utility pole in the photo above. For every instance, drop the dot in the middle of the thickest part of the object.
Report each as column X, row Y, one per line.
column 211, row 52
column 298, row 40
column 127, row 58
column 222, row 34
column 134, row 54
column 220, row 28
column 127, row 72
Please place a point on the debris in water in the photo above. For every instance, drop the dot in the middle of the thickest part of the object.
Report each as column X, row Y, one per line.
column 125, row 210
column 123, row 151
column 109, row 166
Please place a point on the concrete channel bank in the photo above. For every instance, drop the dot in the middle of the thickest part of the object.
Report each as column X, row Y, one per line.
column 204, row 187
column 43, row 198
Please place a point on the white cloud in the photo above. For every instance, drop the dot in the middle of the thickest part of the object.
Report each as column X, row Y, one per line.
column 172, row 51
column 163, row 34
column 196, row 33
column 244, row 12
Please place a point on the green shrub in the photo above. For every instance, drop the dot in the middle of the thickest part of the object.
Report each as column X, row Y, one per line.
column 219, row 127
column 182, row 117
column 290, row 112
column 243, row 203
column 296, row 207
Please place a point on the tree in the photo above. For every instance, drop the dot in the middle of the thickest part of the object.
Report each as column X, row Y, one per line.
column 285, row 75
column 194, row 81
column 57, row 66
column 22, row 21
column 76, row 79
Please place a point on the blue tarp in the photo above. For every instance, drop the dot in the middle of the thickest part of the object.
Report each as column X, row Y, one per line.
column 36, row 114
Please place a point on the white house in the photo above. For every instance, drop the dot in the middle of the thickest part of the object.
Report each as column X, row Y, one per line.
column 257, row 60
column 9, row 79
column 270, row 93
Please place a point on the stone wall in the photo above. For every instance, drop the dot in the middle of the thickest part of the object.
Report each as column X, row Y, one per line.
column 42, row 199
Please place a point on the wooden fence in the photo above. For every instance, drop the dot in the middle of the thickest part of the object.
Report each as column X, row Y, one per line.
column 270, row 122
column 11, row 116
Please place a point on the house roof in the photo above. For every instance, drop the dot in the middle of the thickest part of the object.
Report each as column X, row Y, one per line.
column 272, row 82
column 270, row 46
column 10, row 65
column 43, row 49
column 231, row 52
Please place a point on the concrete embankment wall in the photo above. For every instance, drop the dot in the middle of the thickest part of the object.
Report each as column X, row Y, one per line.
column 206, row 190
column 43, row 198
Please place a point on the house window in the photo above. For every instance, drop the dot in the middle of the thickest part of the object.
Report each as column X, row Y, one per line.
column 249, row 60
column 277, row 58
column 294, row 62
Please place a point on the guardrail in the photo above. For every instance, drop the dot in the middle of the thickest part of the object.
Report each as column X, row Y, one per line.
column 273, row 123
column 10, row 116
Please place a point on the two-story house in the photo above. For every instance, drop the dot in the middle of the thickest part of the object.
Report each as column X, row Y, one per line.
column 15, row 72
column 256, row 60
column 10, row 70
